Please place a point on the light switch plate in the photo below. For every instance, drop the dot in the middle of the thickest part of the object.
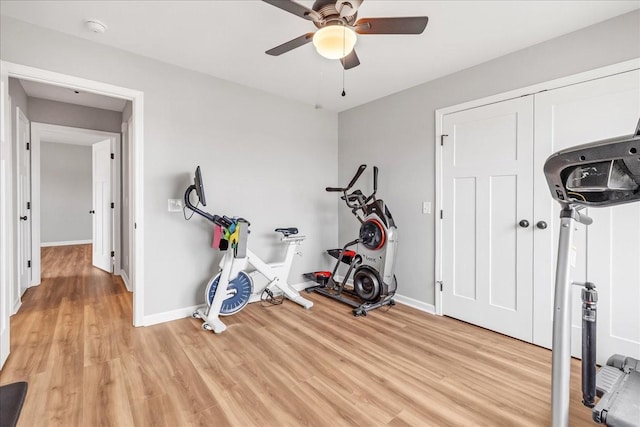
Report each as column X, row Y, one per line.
column 175, row 205
column 426, row 207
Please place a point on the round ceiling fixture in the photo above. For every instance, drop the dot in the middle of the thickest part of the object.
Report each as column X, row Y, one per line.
column 334, row 41
column 95, row 26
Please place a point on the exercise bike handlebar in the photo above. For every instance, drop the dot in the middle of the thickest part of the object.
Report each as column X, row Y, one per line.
column 222, row 221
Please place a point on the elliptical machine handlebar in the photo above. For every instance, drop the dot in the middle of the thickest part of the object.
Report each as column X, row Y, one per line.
column 353, row 181
column 375, row 185
column 356, row 176
column 356, row 200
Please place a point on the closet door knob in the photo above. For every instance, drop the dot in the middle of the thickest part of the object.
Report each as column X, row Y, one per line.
column 24, row 218
column 524, row 223
column 541, row 225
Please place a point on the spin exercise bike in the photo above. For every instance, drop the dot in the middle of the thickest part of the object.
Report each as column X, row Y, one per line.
column 232, row 288
column 599, row 174
column 373, row 260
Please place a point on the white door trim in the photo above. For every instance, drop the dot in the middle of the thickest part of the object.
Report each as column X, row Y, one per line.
column 19, row 71
column 37, row 132
column 597, row 73
column 6, row 218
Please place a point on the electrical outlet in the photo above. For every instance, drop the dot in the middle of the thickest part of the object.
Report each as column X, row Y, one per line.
column 175, row 205
column 426, row 207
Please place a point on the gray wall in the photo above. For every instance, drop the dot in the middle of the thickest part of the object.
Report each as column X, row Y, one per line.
column 66, row 194
column 397, row 133
column 63, row 114
column 263, row 157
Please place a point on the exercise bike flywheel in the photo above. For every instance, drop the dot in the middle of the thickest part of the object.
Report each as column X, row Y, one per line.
column 241, row 287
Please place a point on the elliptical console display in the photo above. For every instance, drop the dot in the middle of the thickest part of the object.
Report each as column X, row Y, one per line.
column 372, row 263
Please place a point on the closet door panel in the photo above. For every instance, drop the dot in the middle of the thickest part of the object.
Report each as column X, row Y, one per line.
column 487, row 187
column 606, row 252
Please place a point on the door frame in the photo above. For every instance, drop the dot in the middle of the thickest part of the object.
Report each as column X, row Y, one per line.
column 37, row 129
column 6, row 219
column 596, row 73
column 136, row 171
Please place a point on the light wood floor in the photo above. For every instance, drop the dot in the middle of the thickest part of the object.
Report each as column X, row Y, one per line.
column 72, row 340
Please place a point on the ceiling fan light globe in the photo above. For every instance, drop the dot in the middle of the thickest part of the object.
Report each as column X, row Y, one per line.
column 334, row 41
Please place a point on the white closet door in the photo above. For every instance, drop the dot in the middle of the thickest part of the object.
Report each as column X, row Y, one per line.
column 608, row 251
column 487, row 187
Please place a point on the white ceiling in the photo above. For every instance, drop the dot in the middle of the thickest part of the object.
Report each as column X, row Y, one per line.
column 228, row 38
column 70, row 96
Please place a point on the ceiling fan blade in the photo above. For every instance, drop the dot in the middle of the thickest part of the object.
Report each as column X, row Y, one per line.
column 408, row 25
column 295, row 8
column 350, row 61
column 290, row 45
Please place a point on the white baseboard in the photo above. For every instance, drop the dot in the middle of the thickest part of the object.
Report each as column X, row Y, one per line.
column 422, row 306
column 65, row 243
column 303, row 285
column 181, row 313
column 125, row 279
column 168, row 316
column 411, row 302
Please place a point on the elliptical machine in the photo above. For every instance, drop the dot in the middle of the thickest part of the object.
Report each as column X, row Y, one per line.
column 373, row 260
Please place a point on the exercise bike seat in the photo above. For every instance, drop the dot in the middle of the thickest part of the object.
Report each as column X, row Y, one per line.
column 286, row 232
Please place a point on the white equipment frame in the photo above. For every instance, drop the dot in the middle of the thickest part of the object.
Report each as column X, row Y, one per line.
column 276, row 274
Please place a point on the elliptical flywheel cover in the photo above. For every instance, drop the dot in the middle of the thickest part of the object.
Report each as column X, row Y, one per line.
column 366, row 283
column 372, row 234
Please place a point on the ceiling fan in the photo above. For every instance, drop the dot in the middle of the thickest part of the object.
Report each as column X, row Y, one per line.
column 337, row 28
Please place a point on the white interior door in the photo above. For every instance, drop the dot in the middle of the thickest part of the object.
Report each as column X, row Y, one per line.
column 102, row 211
column 23, row 173
column 608, row 251
column 487, row 186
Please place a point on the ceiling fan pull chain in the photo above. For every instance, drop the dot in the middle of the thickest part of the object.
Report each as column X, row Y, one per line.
column 344, row 51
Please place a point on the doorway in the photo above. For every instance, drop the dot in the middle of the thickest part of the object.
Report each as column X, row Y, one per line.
column 96, row 219
column 7, row 186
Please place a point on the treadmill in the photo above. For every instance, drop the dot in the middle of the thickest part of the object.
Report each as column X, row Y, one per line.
column 599, row 174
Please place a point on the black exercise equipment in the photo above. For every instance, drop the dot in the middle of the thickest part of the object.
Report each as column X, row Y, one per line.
column 372, row 263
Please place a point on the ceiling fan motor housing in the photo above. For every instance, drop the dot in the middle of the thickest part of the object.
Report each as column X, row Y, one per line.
column 330, row 14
